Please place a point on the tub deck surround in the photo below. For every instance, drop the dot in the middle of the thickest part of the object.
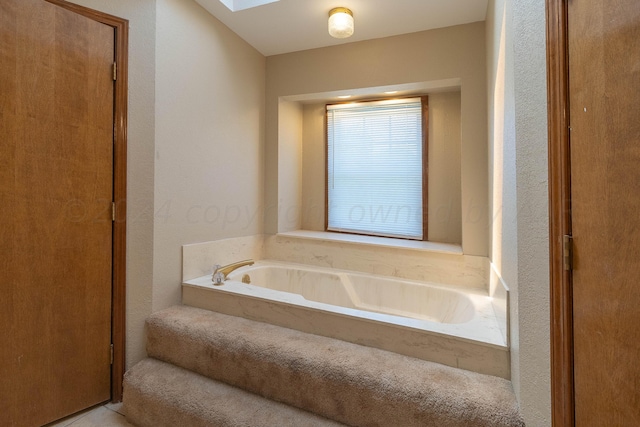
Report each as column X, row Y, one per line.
column 499, row 293
column 479, row 345
column 455, row 326
column 376, row 241
column 199, row 258
column 425, row 261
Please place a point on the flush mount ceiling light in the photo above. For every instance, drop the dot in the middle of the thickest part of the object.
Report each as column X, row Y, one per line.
column 340, row 22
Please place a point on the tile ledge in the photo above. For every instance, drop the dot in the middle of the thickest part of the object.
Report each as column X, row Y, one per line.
column 444, row 248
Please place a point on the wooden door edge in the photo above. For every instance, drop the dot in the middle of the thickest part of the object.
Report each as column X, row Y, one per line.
column 561, row 298
column 118, row 314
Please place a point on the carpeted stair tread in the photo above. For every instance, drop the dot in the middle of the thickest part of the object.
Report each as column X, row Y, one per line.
column 349, row 383
column 158, row 394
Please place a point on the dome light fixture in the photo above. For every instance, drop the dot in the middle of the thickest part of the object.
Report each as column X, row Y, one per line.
column 340, row 22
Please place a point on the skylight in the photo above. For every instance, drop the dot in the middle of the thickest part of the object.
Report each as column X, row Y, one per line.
column 237, row 5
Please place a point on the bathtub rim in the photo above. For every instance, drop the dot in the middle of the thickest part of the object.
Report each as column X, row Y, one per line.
column 266, row 262
column 465, row 332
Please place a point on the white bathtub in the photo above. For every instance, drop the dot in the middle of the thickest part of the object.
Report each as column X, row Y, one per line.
column 363, row 292
column 445, row 324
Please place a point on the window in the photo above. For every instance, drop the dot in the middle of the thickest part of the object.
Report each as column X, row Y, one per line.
column 238, row 5
column 376, row 168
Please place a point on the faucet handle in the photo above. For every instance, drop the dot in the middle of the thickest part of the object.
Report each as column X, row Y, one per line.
column 217, row 277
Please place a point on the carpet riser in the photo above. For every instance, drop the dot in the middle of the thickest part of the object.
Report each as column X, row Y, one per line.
column 352, row 384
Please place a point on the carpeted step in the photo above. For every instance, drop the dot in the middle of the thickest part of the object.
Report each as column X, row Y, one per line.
column 158, row 394
column 349, row 383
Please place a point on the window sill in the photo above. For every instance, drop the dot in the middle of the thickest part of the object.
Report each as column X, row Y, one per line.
column 445, row 248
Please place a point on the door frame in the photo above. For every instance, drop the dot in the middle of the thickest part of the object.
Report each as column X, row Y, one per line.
column 561, row 294
column 118, row 286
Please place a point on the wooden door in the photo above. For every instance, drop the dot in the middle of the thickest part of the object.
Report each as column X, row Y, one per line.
column 604, row 120
column 56, row 192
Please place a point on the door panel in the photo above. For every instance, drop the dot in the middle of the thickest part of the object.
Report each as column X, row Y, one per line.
column 56, row 187
column 604, row 83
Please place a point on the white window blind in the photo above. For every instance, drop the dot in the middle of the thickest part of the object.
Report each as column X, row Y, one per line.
column 374, row 168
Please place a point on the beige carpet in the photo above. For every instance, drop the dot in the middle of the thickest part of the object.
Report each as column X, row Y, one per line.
column 158, row 394
column 352, row 384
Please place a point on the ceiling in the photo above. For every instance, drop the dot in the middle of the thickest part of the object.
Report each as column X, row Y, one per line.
column 291, row 25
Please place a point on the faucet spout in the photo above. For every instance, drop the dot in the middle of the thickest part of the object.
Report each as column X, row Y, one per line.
column 220, row 273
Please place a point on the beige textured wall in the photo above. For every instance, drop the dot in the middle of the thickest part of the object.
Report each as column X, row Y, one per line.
column 209, row 138
column 502, row 147
column 445, row 189
column 314, row 167
column 531, row 302
column 289, row 154
column 518, row 192
column 447, row 53
column 445, row 199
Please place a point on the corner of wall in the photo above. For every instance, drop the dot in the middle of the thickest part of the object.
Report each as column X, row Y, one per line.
column 499, row 293
column 289, row 177
column 199, row 258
